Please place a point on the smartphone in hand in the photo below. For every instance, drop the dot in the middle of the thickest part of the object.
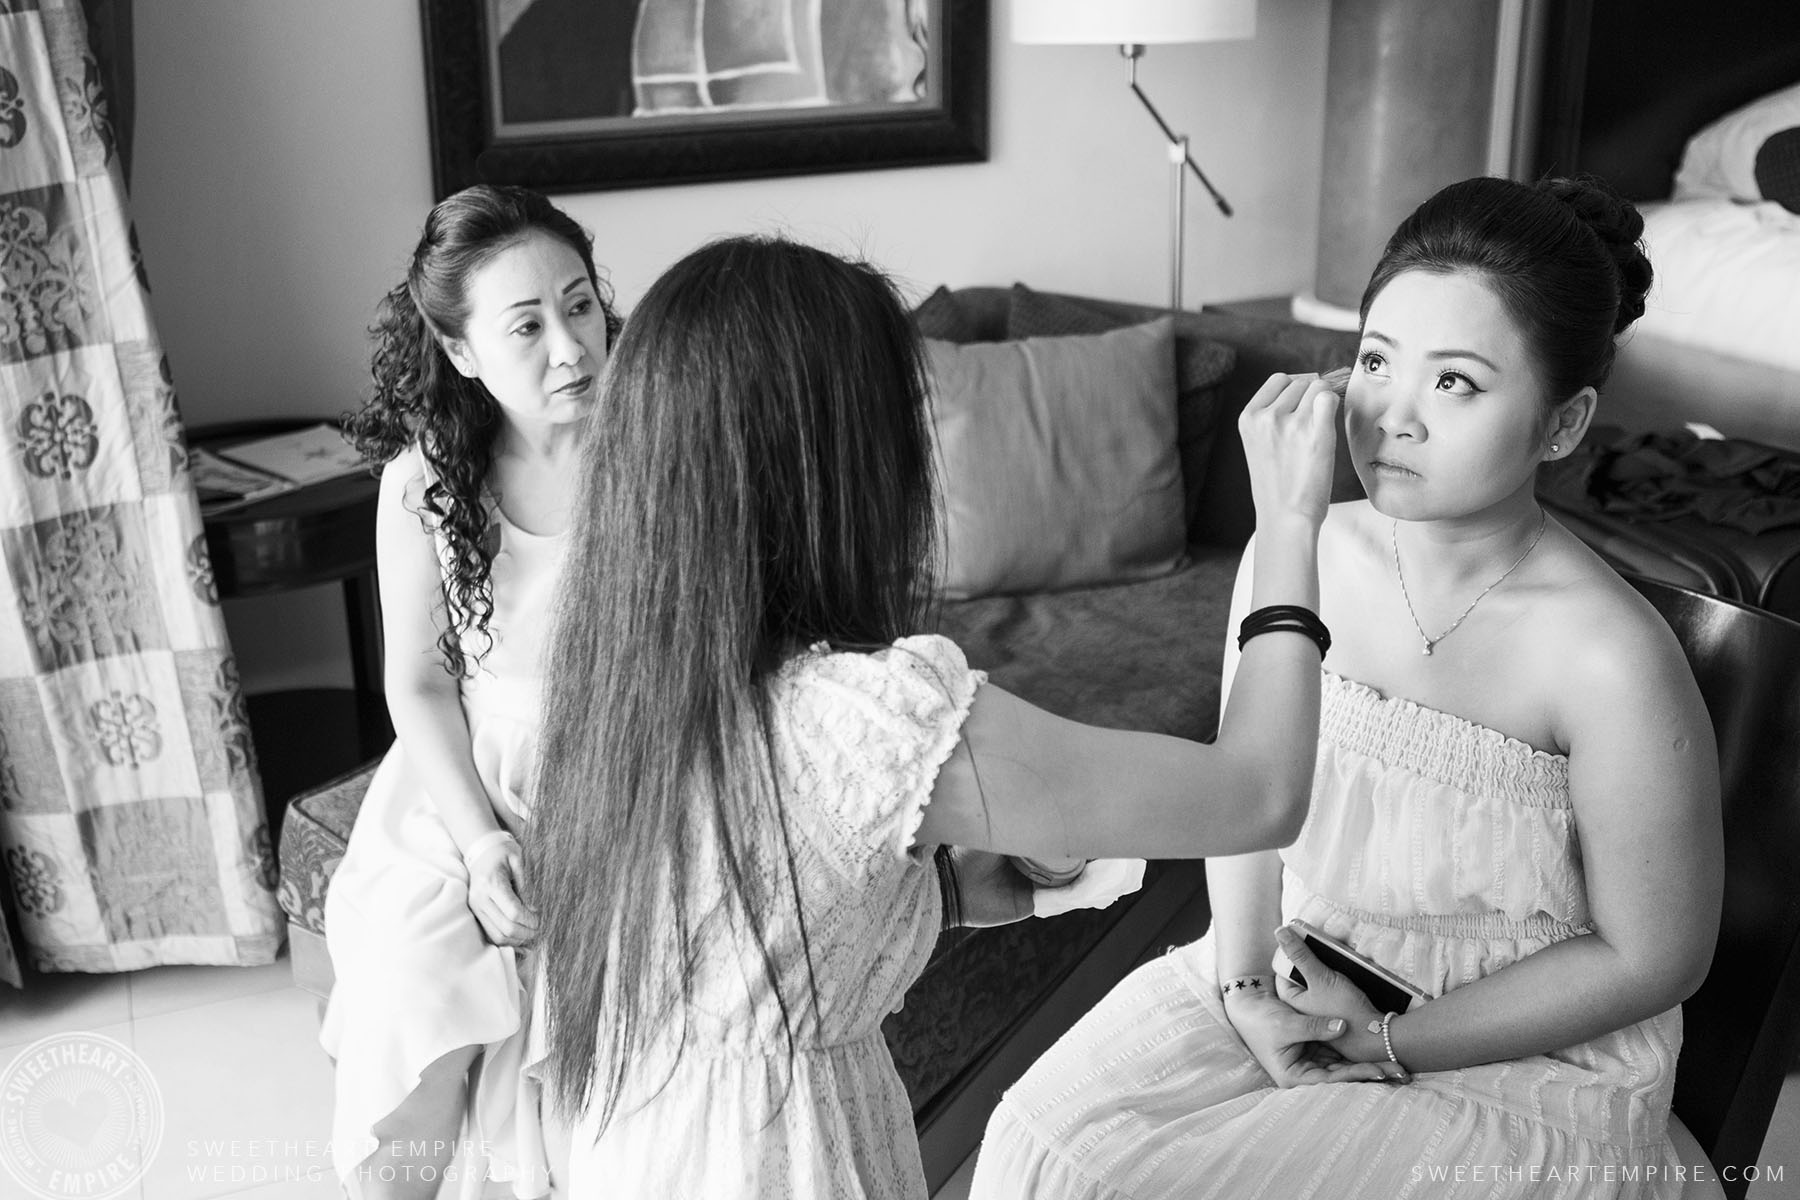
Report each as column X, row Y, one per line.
column 1049, row 872
column 1385, row 990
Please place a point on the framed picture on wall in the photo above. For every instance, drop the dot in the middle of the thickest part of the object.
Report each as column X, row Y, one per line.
column 585, row 95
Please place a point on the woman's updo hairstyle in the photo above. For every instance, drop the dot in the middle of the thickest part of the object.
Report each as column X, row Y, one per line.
column 1563, row 255
column 420, row 396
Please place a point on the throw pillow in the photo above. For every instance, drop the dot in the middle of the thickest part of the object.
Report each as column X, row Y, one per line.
column 1201, row 367
column 940, row 316
column 1038, row 314
column 1057, row 461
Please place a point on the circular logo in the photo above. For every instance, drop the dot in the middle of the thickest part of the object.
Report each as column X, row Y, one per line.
column 80, row 1116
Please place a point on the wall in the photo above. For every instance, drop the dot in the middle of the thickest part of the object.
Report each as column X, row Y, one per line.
column 280, row 175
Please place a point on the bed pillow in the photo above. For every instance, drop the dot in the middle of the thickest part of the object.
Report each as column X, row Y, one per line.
column 1722, row 159
column 1201, row 367
column 1057, row 461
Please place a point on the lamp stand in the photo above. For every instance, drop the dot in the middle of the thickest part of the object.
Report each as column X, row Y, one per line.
column 1180, row 162
column 1178, row 155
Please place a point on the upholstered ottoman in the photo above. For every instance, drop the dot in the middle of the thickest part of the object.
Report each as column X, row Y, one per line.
column 313, row 836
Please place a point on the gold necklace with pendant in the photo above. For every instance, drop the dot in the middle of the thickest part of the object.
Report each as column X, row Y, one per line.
column 1428, row 641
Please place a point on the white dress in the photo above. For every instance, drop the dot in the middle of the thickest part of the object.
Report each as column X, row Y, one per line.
column 416, row 978
column 1443, row 850
column 859, row 739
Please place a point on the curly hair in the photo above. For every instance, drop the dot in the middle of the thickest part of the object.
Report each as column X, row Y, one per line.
column 420, row 397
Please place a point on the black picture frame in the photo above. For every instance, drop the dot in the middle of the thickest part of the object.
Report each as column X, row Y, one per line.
column 952, row 128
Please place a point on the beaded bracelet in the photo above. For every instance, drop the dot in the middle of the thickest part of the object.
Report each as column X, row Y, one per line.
column 1246, row 983
column 1286, row 618
column 1401, row 1074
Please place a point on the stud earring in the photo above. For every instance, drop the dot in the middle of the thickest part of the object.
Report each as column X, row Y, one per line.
column 1554, row 447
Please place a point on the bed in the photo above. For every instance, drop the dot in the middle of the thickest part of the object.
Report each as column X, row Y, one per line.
column 1695, row 115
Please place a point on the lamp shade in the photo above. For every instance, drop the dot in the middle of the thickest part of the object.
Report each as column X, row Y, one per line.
column 1129, row 22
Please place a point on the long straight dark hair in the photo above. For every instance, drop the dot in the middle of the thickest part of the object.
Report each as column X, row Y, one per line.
column 756, row 480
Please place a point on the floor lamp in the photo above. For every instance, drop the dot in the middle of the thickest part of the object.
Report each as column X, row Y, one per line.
column 1131, row 25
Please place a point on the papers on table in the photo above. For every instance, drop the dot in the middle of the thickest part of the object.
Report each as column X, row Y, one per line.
column 249, row 471
column 303, row 456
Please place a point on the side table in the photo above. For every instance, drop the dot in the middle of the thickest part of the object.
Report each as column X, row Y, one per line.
column 321, row 533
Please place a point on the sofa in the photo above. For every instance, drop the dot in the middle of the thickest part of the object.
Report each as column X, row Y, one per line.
column 1143, row 652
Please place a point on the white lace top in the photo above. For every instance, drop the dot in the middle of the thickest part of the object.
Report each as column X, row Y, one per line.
column 859, row 739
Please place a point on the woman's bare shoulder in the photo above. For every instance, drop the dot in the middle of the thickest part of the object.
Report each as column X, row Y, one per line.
column 1609, row 640
column 403, row 478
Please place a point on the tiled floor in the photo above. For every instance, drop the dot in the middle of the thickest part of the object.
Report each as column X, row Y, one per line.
column 247, row 1092
column 235, row 1055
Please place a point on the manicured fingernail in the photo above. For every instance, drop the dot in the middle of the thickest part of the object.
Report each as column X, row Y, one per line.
column 1336, row 1026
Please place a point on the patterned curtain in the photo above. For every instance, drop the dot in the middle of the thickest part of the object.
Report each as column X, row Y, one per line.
column 131, row 820
column 109, row 36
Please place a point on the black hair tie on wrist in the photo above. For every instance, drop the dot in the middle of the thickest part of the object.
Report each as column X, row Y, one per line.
column 1286, row 618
